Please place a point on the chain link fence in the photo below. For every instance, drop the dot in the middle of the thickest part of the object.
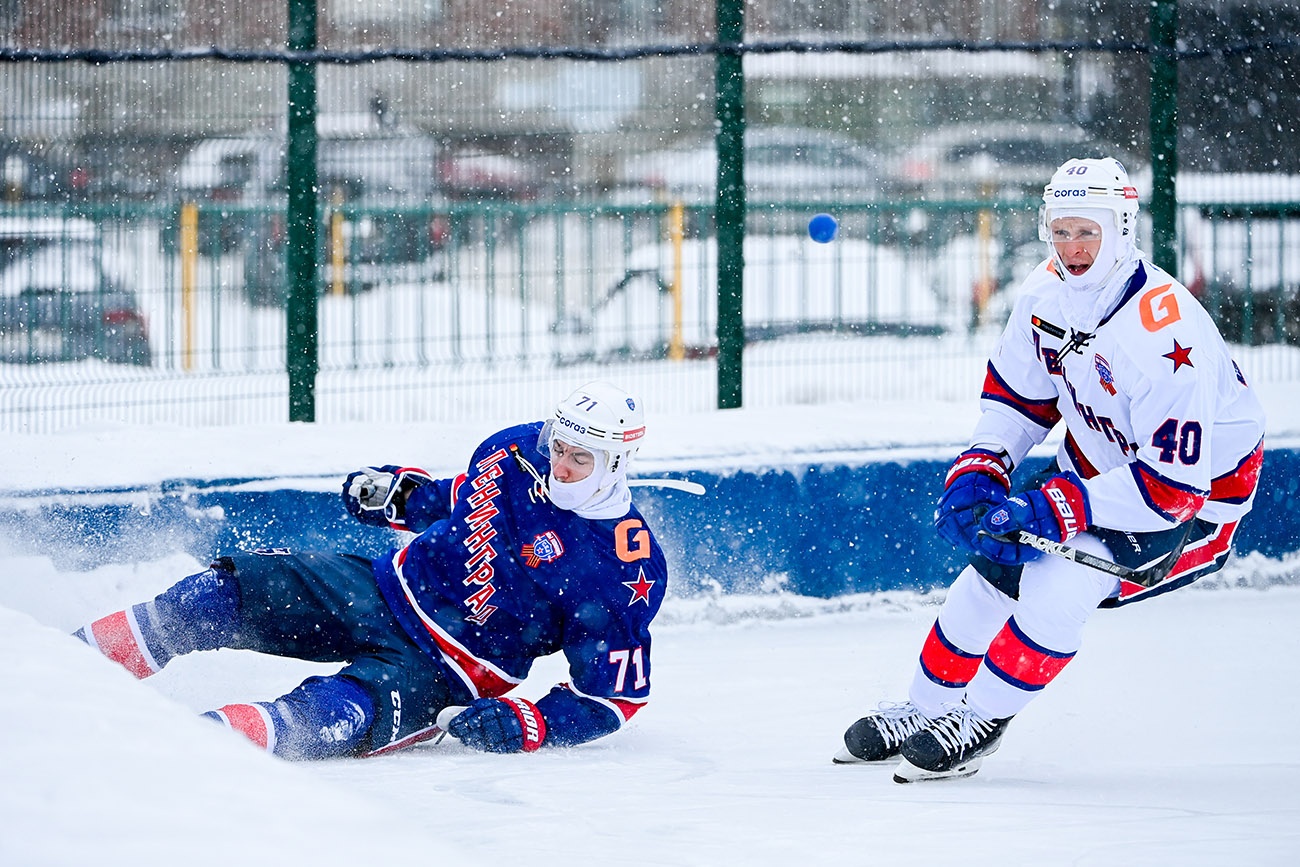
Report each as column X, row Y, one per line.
column 522, row 200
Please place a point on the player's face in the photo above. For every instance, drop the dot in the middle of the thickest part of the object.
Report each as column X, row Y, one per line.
column 1077, row 241
column 570, row 463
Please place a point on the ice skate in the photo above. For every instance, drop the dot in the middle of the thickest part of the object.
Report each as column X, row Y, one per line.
column 878, row 736
column 950, row 747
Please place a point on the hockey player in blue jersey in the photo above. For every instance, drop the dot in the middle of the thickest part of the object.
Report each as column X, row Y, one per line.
column 535, row 549
column 1158, row 466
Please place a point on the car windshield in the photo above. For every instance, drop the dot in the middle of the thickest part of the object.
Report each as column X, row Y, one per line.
column 377, row 167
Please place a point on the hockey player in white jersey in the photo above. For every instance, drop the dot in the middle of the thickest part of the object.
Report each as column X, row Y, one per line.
column 1162, row 452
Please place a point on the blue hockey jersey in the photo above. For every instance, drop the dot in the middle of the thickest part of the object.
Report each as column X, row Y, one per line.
column 498, row 577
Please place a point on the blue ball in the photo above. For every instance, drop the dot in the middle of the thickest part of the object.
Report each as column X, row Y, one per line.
column 822, row 228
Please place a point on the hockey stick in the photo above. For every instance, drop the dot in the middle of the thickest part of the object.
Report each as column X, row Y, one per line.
column 675, row 484
column 447, row 714
column 1147, row 576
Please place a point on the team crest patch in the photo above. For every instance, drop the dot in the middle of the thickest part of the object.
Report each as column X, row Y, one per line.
column 545, row 548
column 1104, row 375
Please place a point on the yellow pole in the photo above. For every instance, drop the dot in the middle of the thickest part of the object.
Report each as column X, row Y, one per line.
column 336, row 244
column 189, row 242
column 676, row 231
column 983, row 289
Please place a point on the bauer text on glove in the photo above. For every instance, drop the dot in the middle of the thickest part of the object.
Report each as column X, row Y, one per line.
column 977, row 481
column 1057, row 511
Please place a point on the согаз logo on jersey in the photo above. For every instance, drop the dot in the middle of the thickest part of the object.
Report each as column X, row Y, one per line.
column 546, row 547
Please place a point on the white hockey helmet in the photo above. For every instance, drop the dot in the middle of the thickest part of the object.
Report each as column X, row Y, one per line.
column 599, row 417
column 1088, row 185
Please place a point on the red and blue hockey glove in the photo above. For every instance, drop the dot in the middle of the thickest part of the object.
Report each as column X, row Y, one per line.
column 500, row 725
column 377, row 495
column 978, row 480
column 1058, row 511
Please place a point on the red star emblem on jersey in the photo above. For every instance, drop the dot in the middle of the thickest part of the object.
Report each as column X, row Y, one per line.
column 1180, row 356
column 640, row 589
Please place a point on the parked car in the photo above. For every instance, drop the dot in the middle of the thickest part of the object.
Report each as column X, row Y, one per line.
column 782, row 164
column 998, row 160
column 59, row 301
column 472, row 174
column 27, row 175
column 382, row 176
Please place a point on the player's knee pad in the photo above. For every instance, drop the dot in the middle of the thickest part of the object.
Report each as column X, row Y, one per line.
column 325, row 717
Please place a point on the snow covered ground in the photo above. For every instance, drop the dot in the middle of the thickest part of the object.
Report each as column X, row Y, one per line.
column 1167, row 741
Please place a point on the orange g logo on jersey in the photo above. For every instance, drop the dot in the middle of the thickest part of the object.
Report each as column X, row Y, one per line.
column 1159, row 308
column 632, row 541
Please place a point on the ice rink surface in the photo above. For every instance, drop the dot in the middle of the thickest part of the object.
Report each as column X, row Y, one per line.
column 1167, row 741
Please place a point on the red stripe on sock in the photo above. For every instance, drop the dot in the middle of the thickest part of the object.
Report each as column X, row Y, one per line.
column 115, row 640
column 1029, row 666
column 945, row 663
column 247, row 719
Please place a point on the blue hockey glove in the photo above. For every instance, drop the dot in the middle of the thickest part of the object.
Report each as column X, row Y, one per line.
column 377, row 495
column 1058, row 511
column 500, row 725
column 977, row 481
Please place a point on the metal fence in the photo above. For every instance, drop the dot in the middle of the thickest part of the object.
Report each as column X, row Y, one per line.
column 537, row 205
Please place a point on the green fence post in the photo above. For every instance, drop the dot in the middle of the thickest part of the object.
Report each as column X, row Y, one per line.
column 1164, row 134
column 301, row 339
column 730, row 203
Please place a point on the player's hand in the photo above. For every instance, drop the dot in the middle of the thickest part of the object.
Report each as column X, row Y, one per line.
column 366, row 493
column 977, row 481
column 500, row 725
column 1058, row 511
column 378, row 495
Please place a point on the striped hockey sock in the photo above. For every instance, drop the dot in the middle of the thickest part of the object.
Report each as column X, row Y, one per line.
column 1022, row 663
column 254, row 721
column 946, row 664
column 1015, row 669
column 119, row 637
column 200, row 612
column 325, row 717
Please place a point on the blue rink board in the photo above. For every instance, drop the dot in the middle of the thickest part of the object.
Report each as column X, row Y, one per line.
column 816, row 530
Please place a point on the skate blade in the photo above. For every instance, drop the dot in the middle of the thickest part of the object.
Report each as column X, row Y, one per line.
column 906, row 772
column 844, row 757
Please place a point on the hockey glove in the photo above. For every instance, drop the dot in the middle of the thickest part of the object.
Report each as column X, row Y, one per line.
column 377, row 495
column 364, row 494
column 1058, row 511
column 977, row 481
column 500, row 725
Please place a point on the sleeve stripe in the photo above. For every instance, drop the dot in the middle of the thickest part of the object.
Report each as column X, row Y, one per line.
column 1238, row 485
column 1040, row 412
column 1171, row 501
column 624, row 708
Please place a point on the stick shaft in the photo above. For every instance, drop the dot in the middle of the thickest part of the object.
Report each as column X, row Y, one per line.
column 1083, row 558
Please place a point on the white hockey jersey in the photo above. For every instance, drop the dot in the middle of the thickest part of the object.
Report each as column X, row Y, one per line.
column 1160, row 422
